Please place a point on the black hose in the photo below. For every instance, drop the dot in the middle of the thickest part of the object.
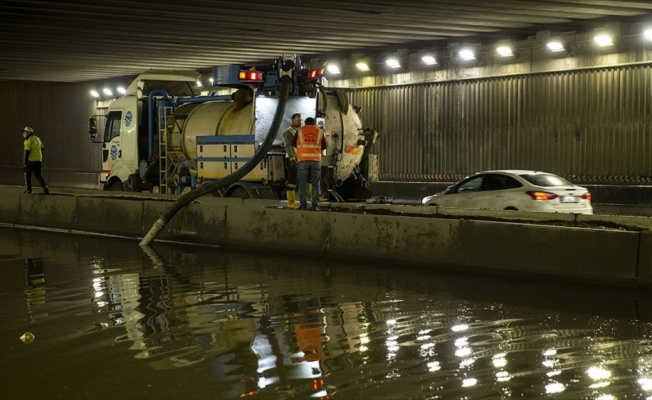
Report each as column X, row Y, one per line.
column 230, row 179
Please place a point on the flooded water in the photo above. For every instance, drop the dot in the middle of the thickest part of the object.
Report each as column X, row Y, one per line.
column 99, row 318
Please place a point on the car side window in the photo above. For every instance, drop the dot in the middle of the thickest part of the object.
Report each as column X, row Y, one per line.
column 499, row 182
column 491, row 182
column 510, row 183
column 472, row 185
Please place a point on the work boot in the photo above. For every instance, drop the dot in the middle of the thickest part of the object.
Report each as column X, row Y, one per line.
column 46, row 190
column 302, row 207
column 292, row 199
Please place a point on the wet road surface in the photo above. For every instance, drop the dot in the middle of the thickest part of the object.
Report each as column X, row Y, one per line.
column 95, row 318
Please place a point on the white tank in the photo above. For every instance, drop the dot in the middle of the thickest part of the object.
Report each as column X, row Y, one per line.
column 244, row 116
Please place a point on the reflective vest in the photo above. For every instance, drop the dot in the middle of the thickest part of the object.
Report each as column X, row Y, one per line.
column 34, row 145
column 309, row 140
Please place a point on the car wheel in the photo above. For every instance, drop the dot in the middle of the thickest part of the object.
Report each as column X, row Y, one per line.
column 511, row 209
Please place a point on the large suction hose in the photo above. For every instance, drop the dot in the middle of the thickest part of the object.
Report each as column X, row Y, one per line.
column 230, row 179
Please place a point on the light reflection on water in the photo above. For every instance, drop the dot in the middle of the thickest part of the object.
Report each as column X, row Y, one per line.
column 112, row 320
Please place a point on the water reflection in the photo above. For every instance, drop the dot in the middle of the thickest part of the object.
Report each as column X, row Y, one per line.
column 35, row 292
column 232, row 325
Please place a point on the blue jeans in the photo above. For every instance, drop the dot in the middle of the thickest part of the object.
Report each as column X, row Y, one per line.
column 309, row 171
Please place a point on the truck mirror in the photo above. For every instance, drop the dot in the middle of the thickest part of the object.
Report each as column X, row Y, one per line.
column 92, row 128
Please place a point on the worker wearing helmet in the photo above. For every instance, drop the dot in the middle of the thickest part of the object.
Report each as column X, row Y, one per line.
column 33, row 159
column 291, row 161
column 309, row 141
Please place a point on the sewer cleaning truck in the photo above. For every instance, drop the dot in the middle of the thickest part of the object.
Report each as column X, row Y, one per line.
column 161, row 136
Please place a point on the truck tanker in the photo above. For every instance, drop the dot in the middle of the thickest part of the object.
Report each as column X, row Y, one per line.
column 161, row 136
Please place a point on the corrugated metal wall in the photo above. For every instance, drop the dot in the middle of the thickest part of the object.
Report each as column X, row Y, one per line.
column 59, row 114
column 592, row 126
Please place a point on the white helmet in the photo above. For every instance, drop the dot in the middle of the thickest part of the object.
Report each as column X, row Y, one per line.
column 28, row 129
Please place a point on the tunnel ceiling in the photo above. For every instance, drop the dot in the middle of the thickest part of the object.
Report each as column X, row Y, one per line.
column 80, row 40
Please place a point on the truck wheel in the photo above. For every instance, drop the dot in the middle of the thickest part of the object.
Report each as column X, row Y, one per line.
column 117, row 186
column 133, row 183
column 240, row 193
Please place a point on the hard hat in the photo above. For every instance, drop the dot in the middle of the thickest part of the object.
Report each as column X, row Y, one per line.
column 28, row 129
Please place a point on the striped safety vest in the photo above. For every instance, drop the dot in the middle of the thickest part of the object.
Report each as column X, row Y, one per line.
column 309, row 143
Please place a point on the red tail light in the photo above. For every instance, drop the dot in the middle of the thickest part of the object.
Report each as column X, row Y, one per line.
column 586, row 196
column 315, row 73
column 542, row 195
column 251, row 76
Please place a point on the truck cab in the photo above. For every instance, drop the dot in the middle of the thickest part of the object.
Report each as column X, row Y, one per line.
column 126, row 141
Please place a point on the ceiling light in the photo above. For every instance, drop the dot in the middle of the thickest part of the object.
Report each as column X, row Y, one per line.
column 429, row 60
column 504, row 51
column 210, row 80
column 121, row 90
column 467, row 54
column 95, row 94
column 199, row 83
column 555, row 46
column 393, row 63
column 648, row 34
column 362, row 66
column 333, row 69
column 603, row 40
column 107, row 92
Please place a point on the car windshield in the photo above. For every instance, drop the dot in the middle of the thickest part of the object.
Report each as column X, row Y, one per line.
column 546, row 180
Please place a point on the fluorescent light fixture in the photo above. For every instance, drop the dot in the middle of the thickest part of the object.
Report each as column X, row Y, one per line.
column 121, row 90
column 647, row 34
column 504, row 51
column 95, row 94
column 429, row 60
column 333, row 69
column 393, row 63
column 107, row 91
column 555, row 46
column 467, row 54
column 603, row 40
column 362, row 66
column 199, row 83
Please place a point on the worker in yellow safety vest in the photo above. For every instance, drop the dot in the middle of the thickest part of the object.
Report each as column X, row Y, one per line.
column 309, row 141
column 33, row 159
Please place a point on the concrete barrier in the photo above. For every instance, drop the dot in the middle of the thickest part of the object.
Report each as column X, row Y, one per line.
column 393, row 238
column 201, row 223
column 109, row 215
column 578, row 253
column 644, row 278
column 9, row 205
column 617, row 250
column 291, row 231
column 56, row 212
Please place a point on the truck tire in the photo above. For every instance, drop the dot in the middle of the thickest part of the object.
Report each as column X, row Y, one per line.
column 133, row 183
column 116, row 186
column 240, row 193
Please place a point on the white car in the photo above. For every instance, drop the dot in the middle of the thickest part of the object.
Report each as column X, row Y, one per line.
column 515, row 190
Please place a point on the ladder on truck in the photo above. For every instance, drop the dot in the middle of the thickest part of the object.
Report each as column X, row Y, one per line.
column 163, row 175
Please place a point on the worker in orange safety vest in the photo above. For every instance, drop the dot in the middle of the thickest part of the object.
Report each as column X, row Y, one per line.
column 309, row 141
